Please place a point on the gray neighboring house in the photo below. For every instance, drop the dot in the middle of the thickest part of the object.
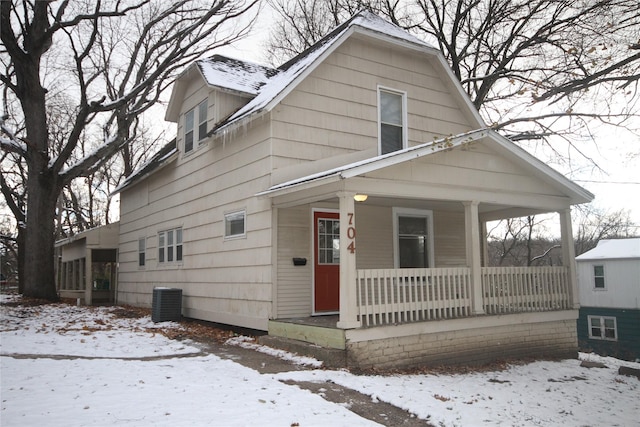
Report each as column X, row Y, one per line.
column 609, row 288
column 340, row 200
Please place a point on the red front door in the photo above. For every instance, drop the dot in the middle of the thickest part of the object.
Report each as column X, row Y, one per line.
column 326, row 261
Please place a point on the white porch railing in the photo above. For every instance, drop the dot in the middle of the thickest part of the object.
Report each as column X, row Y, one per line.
column 389, row 296
column 525, row 289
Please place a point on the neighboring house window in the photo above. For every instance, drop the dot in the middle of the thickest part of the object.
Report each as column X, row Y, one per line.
column 393, row 129
column 190, row 117
column 603, row 328
column 234, row 224
column 170, row 245
column 413, row 238
column 598, row 276
column 142, row 250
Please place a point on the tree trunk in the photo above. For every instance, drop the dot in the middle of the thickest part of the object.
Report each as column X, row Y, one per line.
column 39, row 273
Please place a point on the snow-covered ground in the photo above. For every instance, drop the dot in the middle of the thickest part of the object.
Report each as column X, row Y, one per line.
column 76, row 366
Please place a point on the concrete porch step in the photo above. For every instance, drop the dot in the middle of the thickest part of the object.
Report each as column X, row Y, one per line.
column 331, row 357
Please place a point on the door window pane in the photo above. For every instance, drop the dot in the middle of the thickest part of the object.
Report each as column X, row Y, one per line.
column 328, row 241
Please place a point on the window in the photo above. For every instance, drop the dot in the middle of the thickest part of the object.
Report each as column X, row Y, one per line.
column 190, row 122
column 142, row 249
column 188, row 131
column 602, row 328
column 202, row 120
column 413, row 239
column 392, row 121
column 170, row 245
column 598, row 276
column 234, row 224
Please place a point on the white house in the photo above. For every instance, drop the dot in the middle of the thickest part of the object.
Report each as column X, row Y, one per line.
column 340, row 199
column 609, row 288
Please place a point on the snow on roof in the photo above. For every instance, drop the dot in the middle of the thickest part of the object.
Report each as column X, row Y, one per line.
column 613, row 249
column 234, row 74
column 159, row 159
column 292, row 69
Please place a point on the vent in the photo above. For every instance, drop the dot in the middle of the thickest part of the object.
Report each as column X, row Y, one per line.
column 167, row 305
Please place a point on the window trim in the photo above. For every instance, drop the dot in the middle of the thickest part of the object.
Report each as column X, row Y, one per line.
column 226, row 218
column 163, row 253
column 403, row 95
column 602, row 335
column 428, row 214
column 142, row 252
column 596, row 277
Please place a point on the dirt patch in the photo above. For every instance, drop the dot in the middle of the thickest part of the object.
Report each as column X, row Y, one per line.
column 362, row 404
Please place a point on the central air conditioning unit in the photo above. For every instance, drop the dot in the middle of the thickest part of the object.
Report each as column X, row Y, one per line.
column 167, row 305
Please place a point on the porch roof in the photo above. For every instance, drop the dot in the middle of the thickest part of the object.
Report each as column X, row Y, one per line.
column 573, row 192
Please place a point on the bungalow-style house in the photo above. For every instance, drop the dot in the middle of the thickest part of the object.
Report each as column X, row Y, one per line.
column 609, row 288
column 340, row 200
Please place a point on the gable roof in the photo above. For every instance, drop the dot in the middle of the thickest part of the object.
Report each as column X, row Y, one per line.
column 289, row 74
column 613, row 249
column 576, row 193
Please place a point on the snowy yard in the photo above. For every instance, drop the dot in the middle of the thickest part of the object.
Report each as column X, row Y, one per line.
column 63, row 365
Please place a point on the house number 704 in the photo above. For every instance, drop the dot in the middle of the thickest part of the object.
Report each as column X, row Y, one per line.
column 351, row 234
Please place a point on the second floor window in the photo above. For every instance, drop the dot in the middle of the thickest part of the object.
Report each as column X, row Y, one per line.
column 170, row 245
column 393, row 131
column 188, row 131
column 191, row 118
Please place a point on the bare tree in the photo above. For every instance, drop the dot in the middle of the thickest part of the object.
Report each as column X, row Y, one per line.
column 115, row 58
column 523, row 241
column 533, row 68
column 595, row 224
column 529, row 241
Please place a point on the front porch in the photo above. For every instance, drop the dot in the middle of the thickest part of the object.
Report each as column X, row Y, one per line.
column 393, row 297
column 409, row 236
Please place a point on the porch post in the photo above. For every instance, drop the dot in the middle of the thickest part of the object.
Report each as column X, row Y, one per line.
column 88, row 272
column 472, row 234
column 569, row 255
column 348, row 304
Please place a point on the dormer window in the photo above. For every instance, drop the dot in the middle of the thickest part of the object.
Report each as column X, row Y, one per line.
column 190, row 117
column 393, row 123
